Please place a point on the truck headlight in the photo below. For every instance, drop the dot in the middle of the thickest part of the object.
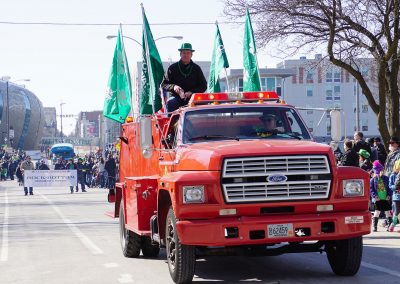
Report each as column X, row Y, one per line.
column 193, row 194
column 353, row 187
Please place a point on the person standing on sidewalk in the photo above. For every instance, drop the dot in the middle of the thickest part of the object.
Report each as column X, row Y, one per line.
column 27, row 165
column 111, row 168
column 382, row 193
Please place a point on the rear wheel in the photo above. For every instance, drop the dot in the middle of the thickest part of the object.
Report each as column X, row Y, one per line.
column 345, row 256
column 130, row 242
column 181, row 258
column 148, row 249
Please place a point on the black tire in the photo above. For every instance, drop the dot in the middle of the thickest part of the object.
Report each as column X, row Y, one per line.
column 345, row 256
column 148, row 249
column 130, row 241
column 181, row 258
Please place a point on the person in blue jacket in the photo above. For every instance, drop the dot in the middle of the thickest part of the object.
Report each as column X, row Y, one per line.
column 381, row 192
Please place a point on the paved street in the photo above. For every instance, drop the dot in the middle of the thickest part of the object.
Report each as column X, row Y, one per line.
column 58, row 237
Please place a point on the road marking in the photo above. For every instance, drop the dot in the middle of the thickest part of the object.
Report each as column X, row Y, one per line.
column 4, row 241
column 81, row 236
column 380, row 269
column 125, row 278
column 110, row 265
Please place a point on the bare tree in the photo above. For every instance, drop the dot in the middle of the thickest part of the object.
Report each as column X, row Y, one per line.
column 348, row 30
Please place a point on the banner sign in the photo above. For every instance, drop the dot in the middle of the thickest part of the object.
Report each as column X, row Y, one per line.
column 51, row 178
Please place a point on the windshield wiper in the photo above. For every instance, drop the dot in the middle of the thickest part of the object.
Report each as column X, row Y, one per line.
column 268, row 133
column 211, row 137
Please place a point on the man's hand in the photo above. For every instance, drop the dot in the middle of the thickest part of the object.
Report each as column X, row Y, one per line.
column 387, row 198
column 188, row 95
column 178, row 90
column 377, row 198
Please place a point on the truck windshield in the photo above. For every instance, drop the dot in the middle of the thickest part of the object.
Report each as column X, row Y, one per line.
column 239, row 123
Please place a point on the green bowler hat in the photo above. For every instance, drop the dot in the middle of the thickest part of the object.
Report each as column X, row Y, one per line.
column 186, row 46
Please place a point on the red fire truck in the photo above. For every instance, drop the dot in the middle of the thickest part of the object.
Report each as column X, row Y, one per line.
column 236, row 173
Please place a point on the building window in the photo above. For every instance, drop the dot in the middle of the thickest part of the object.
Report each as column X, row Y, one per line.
column 310, row 91
column 364, row 108
column 364, row 72
column 279, row 86
column 310, row 76
column 336, row 76
column 333, row 75
column 240, row 85
column 332, row 93
column 336, row 93
column 329, row 76
column 364, row 125
column 328, row 93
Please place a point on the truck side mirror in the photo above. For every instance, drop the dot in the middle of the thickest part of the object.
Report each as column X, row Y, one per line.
column 146, row 139
column 336, row 123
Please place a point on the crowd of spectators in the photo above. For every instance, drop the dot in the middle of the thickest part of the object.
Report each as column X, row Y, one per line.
column 383, row 167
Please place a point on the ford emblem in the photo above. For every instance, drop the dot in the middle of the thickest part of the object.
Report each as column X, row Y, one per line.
column 277, row 178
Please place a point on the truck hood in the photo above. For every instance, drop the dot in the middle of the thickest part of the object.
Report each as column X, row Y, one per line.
column 208, row 156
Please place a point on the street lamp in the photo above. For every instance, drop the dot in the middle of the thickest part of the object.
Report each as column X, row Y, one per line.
column 7, row 80
column 61, row 116
column 175, row 37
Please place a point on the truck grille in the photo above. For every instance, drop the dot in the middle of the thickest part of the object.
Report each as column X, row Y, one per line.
column 238, row 171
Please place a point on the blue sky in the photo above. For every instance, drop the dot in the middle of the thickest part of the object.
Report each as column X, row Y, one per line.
column 71, row 63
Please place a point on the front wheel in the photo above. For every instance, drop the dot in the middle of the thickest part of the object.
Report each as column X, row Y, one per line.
column 130, row 242
column 181, row 258
column 345, row 256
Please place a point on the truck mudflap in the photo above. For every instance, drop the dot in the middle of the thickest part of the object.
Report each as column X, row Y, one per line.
column 245, row 230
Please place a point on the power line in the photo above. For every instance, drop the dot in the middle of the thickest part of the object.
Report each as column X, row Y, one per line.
column 112, row 24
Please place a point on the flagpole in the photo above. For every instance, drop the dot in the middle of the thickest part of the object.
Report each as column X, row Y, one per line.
column 226, row 73
column 126, row 65
column 227, row 81
column 147, row 60
column 258, row 69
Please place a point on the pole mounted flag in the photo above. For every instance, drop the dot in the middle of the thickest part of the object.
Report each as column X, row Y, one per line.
column 152, row 72
column 219, row 61
column 251, row 76
column 117, row 103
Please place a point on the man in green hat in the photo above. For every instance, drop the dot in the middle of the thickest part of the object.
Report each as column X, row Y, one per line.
column 182, row 79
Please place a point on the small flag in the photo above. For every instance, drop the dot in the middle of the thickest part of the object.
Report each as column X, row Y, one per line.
column 251, row 79
column 219, row 61
column 117, row 103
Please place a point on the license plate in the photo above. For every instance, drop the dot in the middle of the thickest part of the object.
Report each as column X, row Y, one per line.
column 280, row 230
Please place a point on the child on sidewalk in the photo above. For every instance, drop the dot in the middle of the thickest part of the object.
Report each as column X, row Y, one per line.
column 395, row 197
column 382, row 193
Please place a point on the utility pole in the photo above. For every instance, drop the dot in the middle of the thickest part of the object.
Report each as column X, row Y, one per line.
column 61, row 134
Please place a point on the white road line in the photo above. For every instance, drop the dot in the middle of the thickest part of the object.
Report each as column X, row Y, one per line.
column 111, row 265
column 4, row 241
column 380, row 269
column 81, row 236
column 125, row 278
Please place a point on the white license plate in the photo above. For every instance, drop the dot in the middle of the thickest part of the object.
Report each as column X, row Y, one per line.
column 280, row 230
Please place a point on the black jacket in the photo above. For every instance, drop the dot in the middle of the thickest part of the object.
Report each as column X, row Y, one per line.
column 110, row 167
column 350, row 158
column 59, row 166
column 361, row 144
column 189, row 77
column 43, row 167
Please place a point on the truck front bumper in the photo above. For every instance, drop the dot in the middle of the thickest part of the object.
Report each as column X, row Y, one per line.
column 324, row 226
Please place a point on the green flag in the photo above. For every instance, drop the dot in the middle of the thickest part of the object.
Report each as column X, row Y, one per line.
column 251, row 79
column 117, row 103
column 218, row 62
column 152, row 72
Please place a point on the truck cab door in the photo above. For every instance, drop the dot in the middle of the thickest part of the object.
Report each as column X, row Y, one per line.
column 168, row 145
